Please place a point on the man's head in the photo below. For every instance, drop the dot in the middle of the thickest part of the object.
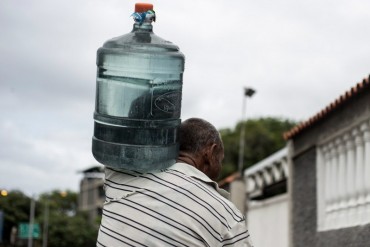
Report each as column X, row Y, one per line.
column 201, row 145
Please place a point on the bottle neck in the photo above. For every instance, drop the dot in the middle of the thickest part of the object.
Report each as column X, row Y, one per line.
column 144, row 27
column 143, row 20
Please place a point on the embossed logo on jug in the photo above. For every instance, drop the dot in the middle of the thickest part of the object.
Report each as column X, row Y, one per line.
column 168, row 102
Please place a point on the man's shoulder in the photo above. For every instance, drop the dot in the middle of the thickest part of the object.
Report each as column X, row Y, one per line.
column 206, row 190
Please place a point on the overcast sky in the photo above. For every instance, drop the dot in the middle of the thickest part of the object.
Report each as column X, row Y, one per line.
column 298, row 55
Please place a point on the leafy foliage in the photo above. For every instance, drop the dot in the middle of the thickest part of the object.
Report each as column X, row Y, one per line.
column 65, row 231
column 263, row 137
column 66, row 225
column 16, row 209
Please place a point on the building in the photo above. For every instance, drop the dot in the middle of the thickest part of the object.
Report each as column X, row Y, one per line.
column 92, row 197
column 316, row 191
column 330, row 174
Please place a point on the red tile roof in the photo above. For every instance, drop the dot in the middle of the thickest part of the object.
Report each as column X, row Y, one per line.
column 360, row 87
column 229, row 179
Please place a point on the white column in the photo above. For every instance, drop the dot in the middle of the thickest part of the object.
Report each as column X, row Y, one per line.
column 320, row 188
column 346, row 170
column 351, row 192
column 359, row 172
column 327, row 187
column 334, row 185
column 267, row 177
column 360, row 160
column 277, row 172
column 259, row 180
column 365, row 128
column 251, row 184
column 341, row 183
column 285, row 166
column 331, row 183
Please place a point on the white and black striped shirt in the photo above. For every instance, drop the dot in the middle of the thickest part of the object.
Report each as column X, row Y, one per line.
column 179, row 206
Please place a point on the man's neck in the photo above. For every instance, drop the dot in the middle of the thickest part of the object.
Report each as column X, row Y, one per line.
column 188, row 159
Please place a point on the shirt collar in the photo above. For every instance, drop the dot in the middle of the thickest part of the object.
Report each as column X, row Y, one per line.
column 195, row 173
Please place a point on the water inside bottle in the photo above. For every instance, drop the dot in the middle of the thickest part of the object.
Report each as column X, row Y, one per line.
column 138, row 105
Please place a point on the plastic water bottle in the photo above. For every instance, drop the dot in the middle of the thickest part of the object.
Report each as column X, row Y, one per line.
column 138, row 98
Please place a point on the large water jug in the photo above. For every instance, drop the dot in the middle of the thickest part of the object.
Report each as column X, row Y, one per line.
column 138, row 98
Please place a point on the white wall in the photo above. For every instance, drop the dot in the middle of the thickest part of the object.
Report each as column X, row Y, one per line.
column 238, row 194
column 268, row 222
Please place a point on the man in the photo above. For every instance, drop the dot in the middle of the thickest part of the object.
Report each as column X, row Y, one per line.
column 178, row 206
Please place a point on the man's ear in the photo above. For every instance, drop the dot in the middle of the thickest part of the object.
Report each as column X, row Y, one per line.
column 209, row 154
column 209, row 160
column 213, row 150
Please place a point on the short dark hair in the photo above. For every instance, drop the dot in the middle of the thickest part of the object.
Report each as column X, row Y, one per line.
column 195, row 134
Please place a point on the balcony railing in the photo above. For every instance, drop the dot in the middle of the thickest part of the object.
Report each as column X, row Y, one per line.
column 343, row 176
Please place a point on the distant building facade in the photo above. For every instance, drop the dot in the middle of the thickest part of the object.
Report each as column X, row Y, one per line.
column 330, row 174
column 92, row 197
column 315, row 192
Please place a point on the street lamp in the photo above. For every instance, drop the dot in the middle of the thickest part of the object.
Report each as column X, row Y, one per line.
column 248, row 92
column 4, row 193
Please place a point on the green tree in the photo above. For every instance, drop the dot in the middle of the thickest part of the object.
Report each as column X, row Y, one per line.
column 16, row 209
column 66, row 225
column 263, row 136
column 61, row 202
column 65, row 231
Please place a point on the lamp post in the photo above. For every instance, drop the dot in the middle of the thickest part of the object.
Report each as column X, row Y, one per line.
column 30, row 225
column 46, row 224
column 63, row 194
column 248, row 92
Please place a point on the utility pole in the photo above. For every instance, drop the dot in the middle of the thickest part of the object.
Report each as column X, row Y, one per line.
column 248, row 92
column 32, row 219
column 46, row 224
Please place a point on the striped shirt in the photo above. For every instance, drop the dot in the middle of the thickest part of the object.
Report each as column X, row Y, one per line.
column 178, row 206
